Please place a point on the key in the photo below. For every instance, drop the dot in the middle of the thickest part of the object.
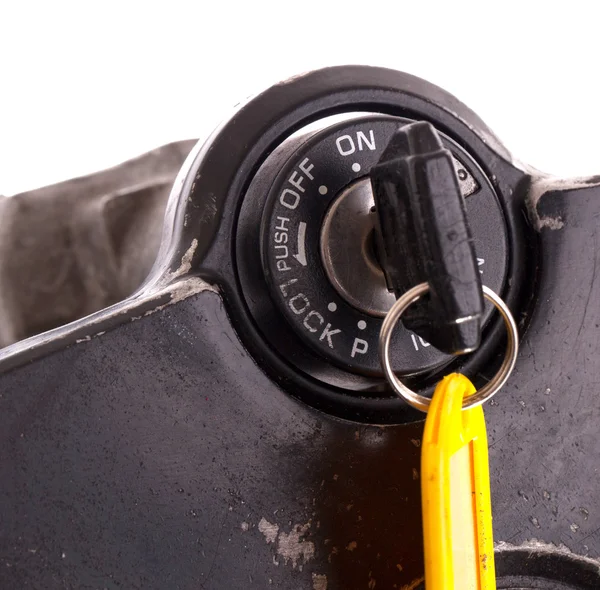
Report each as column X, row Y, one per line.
column 455, row 488
column 422, row 235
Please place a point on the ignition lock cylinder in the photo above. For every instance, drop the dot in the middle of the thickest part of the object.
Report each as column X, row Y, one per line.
column 325, row 261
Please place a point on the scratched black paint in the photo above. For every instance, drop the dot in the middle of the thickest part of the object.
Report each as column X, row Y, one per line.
column 139, row 454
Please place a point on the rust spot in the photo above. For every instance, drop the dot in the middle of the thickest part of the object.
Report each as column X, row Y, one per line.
column 334, row 551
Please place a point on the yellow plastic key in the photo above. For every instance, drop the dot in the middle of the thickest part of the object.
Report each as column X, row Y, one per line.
column 455, row 487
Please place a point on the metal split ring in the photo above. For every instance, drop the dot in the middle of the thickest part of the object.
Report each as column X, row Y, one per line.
column 480, row 396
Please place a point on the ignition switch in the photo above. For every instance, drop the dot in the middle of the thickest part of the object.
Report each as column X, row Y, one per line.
column 319, row 253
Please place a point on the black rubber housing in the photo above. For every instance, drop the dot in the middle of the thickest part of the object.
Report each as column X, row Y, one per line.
column 220, row 175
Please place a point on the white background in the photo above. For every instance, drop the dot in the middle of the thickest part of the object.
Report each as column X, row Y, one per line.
column 84, row 85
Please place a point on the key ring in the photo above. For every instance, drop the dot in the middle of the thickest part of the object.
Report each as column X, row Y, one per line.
column 421, row 402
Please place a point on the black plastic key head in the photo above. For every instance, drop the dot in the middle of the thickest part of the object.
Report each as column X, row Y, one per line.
column 423, row 236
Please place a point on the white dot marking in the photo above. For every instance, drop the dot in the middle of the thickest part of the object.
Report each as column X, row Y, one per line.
column 332, row 306
column 356, row 167
column 361, row 324
column 323, row 189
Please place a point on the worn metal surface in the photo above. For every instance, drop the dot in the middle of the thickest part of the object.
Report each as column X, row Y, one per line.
column 73, row 248
column 347, row 251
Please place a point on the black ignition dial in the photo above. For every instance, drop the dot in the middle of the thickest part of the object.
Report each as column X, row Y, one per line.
column 318, row 250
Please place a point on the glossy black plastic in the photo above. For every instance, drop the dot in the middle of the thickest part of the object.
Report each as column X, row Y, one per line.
column 424, row 237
